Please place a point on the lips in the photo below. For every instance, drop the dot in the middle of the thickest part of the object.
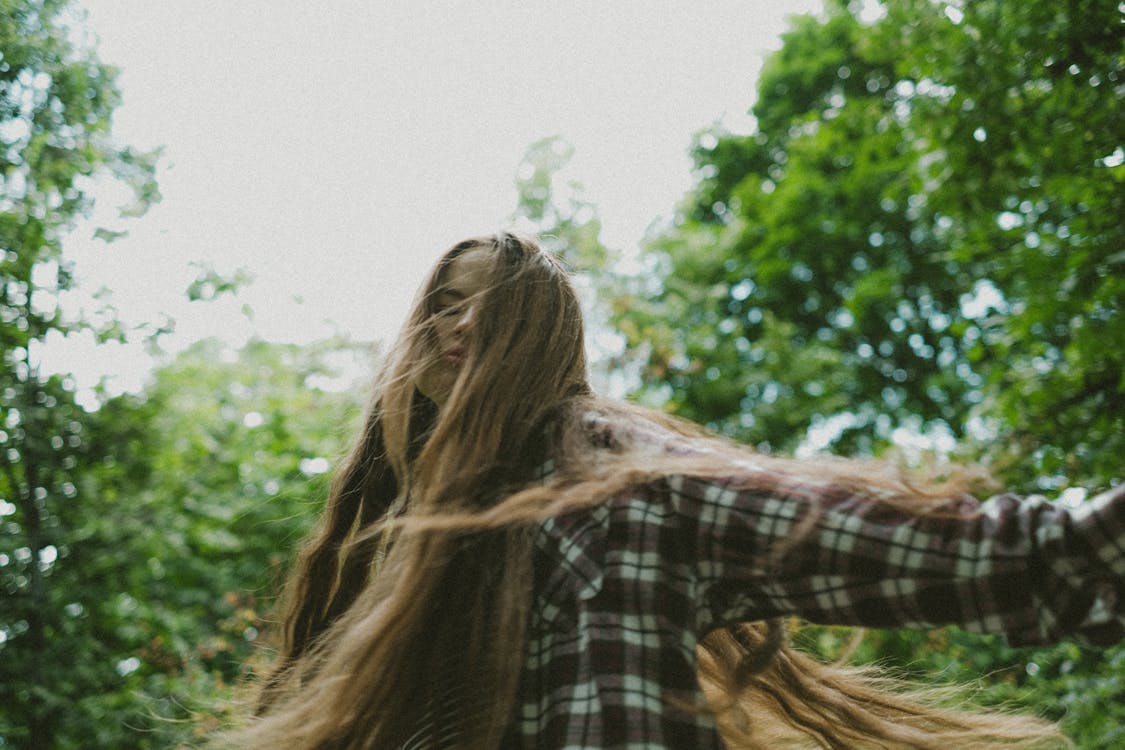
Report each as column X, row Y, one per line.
column 455, row 356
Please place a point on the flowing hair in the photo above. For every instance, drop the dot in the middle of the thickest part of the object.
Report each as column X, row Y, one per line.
column 408, row 605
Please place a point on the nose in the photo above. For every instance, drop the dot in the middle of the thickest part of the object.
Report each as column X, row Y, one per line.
column 466, row 319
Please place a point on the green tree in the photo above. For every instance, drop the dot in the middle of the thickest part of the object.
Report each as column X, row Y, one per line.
column 203, row 521
column 568, row 225
column 921, row 233
column 560, row 214
column 187, row 502
column 56, row 103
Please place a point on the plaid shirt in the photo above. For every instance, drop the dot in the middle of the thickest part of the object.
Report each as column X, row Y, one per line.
column 625, row 590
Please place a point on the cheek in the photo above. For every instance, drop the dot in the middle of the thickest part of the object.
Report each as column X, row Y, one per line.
column 440, row 329
column 433, row 336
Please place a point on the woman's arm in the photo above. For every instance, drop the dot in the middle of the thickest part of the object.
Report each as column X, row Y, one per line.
column 1029, row 569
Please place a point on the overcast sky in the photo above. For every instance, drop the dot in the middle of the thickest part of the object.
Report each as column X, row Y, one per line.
column 335, row 149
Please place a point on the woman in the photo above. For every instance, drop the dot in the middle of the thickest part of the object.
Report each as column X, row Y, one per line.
column 507, row 560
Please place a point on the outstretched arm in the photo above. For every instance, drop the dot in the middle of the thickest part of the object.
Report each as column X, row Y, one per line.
column 1027, row 568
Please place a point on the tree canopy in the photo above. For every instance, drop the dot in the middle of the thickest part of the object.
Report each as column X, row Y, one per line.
column 920, row 241
column 56, row 105
column 923, row 231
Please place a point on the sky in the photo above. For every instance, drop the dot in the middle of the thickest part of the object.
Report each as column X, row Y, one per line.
column 333, row 150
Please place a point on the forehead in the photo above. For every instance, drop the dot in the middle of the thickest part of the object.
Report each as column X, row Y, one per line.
column 469, row 273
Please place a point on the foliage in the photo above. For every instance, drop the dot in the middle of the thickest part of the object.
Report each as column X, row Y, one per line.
column 920, row 239
column 56, row 102
column 566, row 221
column 188, row 501
column 233, row 484
column 568, row 226
column 929, row 212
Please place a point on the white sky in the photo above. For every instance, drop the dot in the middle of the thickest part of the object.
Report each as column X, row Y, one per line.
column 335, row 149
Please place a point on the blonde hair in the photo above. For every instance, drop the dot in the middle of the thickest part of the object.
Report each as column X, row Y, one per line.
column 418, row 581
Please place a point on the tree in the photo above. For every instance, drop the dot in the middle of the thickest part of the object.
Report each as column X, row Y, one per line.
column 56, row 104
column 921, row 232
column 568, row 226
column 921, row 237
column 188, row 499
column 237, row 449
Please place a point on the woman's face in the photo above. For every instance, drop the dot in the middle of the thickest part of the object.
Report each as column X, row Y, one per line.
column 457, row 299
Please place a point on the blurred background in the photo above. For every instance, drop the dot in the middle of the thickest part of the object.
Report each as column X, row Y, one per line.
column 863, row 228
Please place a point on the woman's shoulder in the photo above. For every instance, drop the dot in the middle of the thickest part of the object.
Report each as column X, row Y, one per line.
column 618, row 425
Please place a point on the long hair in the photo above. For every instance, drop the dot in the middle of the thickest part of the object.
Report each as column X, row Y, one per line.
column 408, row 605
column 381, row 625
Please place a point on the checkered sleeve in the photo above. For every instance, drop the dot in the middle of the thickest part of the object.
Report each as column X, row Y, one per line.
column 1027, row 568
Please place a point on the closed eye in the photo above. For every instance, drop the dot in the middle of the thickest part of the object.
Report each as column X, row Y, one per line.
column 449, row 310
